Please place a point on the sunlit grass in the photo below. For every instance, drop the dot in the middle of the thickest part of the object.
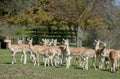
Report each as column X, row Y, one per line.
column 28, row 71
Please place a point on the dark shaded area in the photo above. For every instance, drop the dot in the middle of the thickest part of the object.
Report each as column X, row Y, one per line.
column 3, row 45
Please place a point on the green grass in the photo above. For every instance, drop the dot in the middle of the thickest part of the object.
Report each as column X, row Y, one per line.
column 28, row 71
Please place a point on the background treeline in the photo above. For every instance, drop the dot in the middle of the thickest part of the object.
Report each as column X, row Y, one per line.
column 89, row 19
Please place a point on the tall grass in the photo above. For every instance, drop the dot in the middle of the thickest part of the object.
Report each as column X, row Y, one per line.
column 28, row 71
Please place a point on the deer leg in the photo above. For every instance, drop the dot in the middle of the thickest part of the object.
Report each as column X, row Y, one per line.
column 94, row 62
column 86, row 64
column 60, row 60
column 68, row 59
column 97, row 61
column 51, row 61
column 21, row 58
column 48, row 61
column 38, row 59
column 67, row 62
column 13, row 57
column 25, row 57
column 35, row 59
column 102, row 62
column 31, row 55
column 114, row 67
column 45, row 61
column 55, row 60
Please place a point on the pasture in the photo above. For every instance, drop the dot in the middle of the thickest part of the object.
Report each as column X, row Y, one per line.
column 29, row 71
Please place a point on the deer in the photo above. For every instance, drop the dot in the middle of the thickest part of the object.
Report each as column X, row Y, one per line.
column 72, row 51
column 77, row 51
column 47, row 52
column 53, row 42
column 14, row 48
column 106, row 62
column 107, row 59
column 101, row 54
column 66, row 52
column 114, row 57
column 45, row 42
column 54, row 50
column 97, row 44
column 88, row 53
column 81, row 53
column 56, row 54
column 20, row 42
column 37, row 50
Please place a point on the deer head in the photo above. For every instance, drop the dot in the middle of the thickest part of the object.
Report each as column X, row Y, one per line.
column 20, row 41
column 97, row 44
column 45, row 42
column 30, row 41
column 7, row 39
column 66, row 42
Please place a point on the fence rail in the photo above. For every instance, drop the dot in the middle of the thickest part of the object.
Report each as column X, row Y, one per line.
column 39, row 33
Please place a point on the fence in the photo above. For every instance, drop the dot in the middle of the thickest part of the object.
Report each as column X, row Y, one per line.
column 38, row 33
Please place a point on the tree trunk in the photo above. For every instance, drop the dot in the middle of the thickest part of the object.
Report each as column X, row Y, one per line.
column 79, row 37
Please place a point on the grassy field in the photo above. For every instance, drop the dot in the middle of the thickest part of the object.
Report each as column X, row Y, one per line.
column 28, row 71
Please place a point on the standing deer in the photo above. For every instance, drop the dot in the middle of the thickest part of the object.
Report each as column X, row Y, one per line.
column 37, row 50
column 20, row 42
column 54, row 52
column 101, row 54
column 88, row 53
column 45, row 42
column 97, row 44
column 67, row 53
column 48, row 53
column 114, row 57
column 14, row 48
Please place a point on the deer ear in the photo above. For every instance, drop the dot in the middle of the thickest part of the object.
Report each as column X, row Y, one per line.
column 42, row 39
column 55, row 39
column 47, row 40
column 7, row 37
column 28, row 39
column 68, row 40
column 31, row 38
column 95, row 40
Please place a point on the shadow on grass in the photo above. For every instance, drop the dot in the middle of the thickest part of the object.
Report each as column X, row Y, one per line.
column 7, row 63
column 106, row 70
column 109, row 70
column 57, row 66
column 76, row 67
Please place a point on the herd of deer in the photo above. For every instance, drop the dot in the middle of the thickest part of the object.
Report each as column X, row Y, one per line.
column 55, row 55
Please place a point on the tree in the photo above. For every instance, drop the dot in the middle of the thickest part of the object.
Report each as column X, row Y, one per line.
column 75, row 15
